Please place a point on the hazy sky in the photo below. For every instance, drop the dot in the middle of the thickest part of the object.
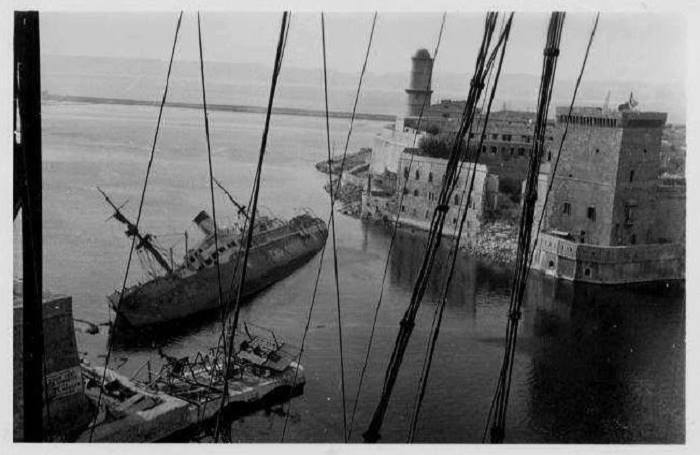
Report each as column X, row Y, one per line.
column 647, row 47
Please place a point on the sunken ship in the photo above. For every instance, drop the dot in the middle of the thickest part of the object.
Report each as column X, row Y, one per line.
column 182, row 290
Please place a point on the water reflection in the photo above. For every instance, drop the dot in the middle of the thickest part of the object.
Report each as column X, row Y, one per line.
column 607, row 364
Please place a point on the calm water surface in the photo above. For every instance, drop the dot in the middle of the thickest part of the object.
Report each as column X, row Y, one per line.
column 593, row 365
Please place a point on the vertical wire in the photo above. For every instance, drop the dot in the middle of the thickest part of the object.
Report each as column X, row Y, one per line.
column 333, row 231
column 138, row 219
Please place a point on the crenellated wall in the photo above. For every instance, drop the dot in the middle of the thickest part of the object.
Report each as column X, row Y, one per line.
column 573, row 261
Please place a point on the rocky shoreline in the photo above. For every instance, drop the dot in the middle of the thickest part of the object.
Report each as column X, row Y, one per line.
column 497, row 242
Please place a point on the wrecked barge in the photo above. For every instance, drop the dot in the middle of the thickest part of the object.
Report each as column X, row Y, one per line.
column 185, row 395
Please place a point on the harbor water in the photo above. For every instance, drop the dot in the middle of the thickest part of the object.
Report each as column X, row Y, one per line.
column 592, row 364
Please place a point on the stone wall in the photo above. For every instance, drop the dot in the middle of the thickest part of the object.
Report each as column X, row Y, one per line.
column 609, row 264
column 67, row 407
column 634, row 214
column 388, row 146
column 422, row 178
column 585, row 179
column 670, row 211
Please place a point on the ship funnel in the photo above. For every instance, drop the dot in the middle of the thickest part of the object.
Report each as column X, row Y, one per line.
column 205, row 223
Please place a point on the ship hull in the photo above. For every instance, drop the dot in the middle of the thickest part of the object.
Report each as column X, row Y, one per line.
column 171, row 298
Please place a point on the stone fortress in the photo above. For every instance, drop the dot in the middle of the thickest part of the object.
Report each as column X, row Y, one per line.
column 611, row 217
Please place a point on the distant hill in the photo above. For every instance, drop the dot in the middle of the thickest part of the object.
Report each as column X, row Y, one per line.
column 248, row 84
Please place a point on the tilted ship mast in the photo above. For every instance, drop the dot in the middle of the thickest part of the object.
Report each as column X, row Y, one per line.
column 145, row 241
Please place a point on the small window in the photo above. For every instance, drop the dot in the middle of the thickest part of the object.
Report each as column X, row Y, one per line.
column 597, row 150
column 494, row 136
column 591, row 213
column 512, row 151
column 645, row 150
column 415, row 193
column 587, row 272
column 454, row 220
column 403, row 208
column 405, row 173
column 633, row 239
column 405, row 190
column 430, row 177
column 521, row 151
column 567, row 208
column 549, row 156
column 457, row 199
column 494, row 150
column 417, row 175
column 427, row 213
column 631, row 176
column 551, row 264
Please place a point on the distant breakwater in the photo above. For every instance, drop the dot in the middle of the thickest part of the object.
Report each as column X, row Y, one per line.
column 218, row 107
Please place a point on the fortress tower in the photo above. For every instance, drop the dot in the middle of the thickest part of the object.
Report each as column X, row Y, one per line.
column 605, row 190
column 419, row 91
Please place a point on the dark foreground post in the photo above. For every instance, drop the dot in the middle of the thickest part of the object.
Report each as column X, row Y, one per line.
column 27, row 95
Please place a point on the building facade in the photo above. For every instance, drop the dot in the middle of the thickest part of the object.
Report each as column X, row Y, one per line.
column 420, row 179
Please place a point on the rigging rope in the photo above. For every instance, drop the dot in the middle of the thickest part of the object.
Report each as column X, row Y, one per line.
column 284, row 29
column 391, row 241
column 435, row 236
column 437, row 319
column 563, row 137
column 553, row 173
column 333, row 231
column 211, row 175
column 323, row 249
column 549, row 64
column 138, row 218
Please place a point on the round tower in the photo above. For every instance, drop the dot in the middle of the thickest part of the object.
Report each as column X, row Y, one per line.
column 419, row 91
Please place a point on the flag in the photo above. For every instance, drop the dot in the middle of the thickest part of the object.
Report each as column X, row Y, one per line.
column 632, row 103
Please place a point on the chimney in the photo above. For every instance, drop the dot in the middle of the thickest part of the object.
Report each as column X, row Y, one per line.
column 205, row 223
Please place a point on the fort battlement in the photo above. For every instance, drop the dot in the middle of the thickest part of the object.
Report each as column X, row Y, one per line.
column 574, row 261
